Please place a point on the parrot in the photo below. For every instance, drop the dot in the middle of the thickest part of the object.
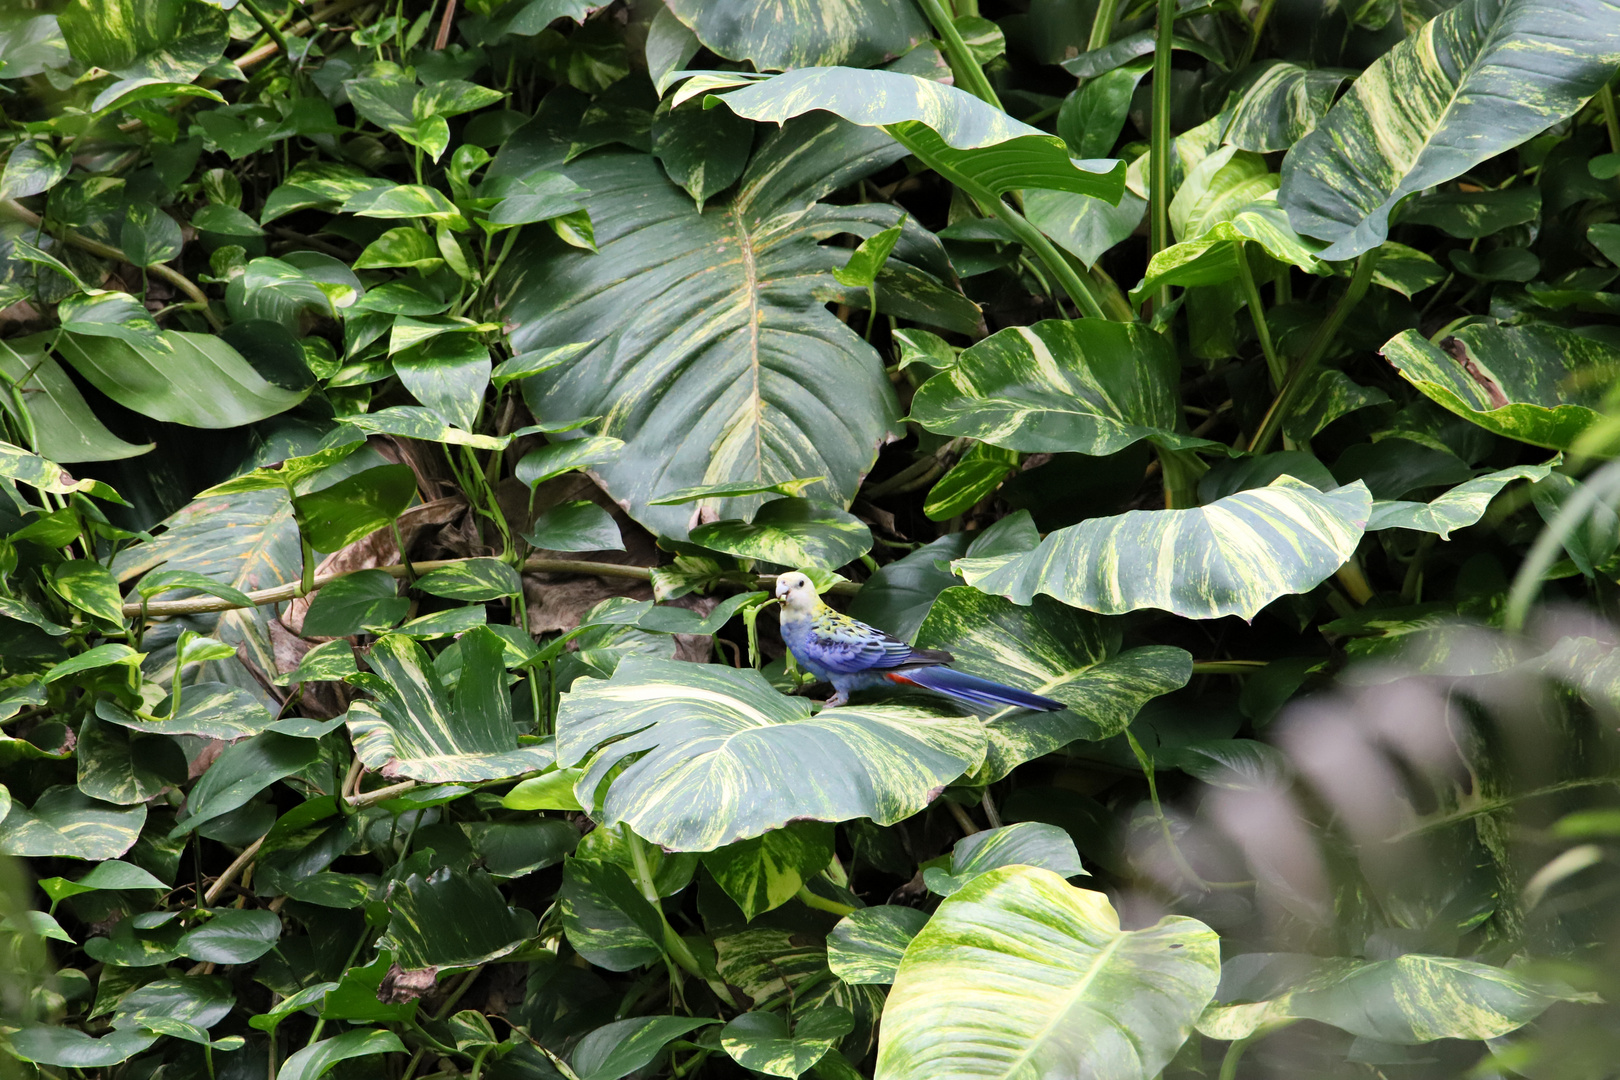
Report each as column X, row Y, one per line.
column 854, row 656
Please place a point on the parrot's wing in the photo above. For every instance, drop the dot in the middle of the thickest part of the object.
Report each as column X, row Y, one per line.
column 846, row 646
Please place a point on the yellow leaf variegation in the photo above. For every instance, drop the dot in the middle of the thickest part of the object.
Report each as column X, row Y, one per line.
column 1474, row 81
column 1409, row 1000
column 1232, row 557
column 724, row 757
column 1019, row 974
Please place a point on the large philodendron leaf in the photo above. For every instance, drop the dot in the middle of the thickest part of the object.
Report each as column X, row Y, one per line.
column 1019, row 974
column 971, row 143
column 1088, row 386
column 1409, row 1000
column 1474, row 81
column 714, row 358
column 1536, row 383
column 1055, row 651
column 798, row 33
column 1456, row 509
column 416, row 728
column 1232, row 557
column 724, row 756
column 246, row 540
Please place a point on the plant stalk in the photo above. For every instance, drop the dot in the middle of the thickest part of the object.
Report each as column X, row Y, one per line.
column 270, row 28
column 1272, row 424
column 966, row 69
column 1073, row 284
column 1257, row 313
column 1102, row 25
column 1159, row 220
column 821, row 903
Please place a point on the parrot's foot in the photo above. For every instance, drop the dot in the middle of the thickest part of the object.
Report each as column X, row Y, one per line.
column 840, row 698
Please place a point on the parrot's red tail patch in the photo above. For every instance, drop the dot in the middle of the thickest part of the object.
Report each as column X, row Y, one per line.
column 898, row 678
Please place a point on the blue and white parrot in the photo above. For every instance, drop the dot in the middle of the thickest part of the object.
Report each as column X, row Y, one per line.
column 854, row 656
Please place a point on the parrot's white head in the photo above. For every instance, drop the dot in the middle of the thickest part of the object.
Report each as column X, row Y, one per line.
column 797, row 592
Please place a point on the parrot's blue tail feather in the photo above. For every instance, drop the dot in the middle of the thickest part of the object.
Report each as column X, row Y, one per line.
column 972, row 689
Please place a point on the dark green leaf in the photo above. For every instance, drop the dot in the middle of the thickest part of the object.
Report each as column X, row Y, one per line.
column 575, row 526
column 192, row 379
column 354, row 602
column 606, row 919
column 353, row 508
column 232, row 937
column 240, row 772
column 451, row 919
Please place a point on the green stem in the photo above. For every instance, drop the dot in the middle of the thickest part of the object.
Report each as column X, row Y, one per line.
column 1272, row 424
column 1159, row 221
column 821, row 903
column 1143, row 759
column 674, row 945
column 1102, row 25
column 306, row 581
column 969, row 75
column 1073, row 284
column 1234, row 1054
column 271, row 29
column 1228, row 667
column 1181, row 469
column 1611, row 121
column 1257, row 312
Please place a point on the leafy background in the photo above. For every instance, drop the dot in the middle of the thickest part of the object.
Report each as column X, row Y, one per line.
column 406, row 406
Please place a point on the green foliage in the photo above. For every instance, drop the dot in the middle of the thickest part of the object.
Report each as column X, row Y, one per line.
column 405, row 409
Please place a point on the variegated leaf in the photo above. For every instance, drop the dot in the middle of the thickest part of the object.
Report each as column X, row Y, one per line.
column 1020, row 974
column 1456, row 509
column 1211, row 257
column 1232, row 557
column 765, row 872
column 791, row 532
column 764, row 1042
column 1474, row 81
column 797, row 33
column 452, row 918
column 605, row 917
column 1282, row 105
column 66, row 822
column 415, row 728
column 1053, row 650
column 210, row 710
column 1086, row 386
column 713, row 357
column 1409, row 1000
column 724, row 757
column 247, row 540
column 1537, row 383
column 952, row 131
column 778, row 968
column 866, row 946
column 1028, row 843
